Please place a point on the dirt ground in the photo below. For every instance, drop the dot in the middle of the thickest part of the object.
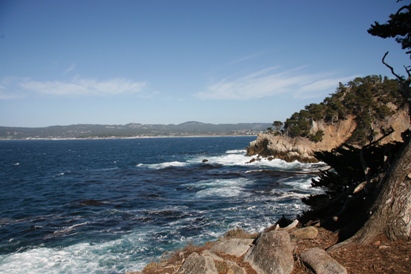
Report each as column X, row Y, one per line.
column 381, row 256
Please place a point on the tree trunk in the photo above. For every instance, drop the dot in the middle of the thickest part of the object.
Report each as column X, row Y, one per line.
column 391, row 211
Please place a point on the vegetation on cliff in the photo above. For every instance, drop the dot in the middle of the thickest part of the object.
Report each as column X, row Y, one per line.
column 370, row 99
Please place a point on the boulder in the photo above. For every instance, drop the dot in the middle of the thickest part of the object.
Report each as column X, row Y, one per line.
column 308, row 232
column 320, row 262
column 198, row 264
column 212, row 255
column 271, row 254
column 233, row 268
column 235, row 247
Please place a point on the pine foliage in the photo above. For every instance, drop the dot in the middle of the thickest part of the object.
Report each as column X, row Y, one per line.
column 369, row 99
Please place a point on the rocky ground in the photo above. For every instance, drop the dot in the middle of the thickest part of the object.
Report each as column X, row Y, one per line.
column 381, row 256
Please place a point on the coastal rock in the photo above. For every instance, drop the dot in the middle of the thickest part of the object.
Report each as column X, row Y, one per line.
column 212, row 255
column 198, row 264
column 308, row 232
column 282, row 147
column 271, row 254
column 320, row 262
column 234, row 247
column 233, row 268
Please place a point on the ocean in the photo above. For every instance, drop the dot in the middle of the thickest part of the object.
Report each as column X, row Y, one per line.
column 110, row 206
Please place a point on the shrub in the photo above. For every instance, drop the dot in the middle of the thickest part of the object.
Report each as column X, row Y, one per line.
column 317, row 137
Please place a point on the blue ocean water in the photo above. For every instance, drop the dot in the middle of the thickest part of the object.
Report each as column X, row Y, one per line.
column 110, row 206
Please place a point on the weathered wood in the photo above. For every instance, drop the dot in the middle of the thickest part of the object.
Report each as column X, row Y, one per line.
column 391, row 211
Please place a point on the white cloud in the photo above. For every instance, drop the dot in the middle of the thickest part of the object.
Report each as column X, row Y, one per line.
column 268, row 82
column 83, row 87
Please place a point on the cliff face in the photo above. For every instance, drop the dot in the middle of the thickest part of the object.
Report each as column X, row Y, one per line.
column 302, row 149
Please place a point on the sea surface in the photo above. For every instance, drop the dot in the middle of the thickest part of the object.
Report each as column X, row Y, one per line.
column 110, row 206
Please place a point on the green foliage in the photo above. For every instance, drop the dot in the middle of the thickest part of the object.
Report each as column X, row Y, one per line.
column 277, row 125
column 365, row 98
column 398, row 27
column 317, row 137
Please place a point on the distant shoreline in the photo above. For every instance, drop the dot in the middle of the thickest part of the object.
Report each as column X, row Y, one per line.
column 132, row 131
column 125, row 138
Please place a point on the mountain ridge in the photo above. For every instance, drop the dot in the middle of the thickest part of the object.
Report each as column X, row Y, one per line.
column 79, row 131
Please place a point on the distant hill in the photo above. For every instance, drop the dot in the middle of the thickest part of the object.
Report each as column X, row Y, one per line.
column 78, row 131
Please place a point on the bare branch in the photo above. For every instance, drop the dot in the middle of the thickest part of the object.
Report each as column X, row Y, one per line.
column 385, row 134
column 391, row 68
column 402, row 8
column 408, row 71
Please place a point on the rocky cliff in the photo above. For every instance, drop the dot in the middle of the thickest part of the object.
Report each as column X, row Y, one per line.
column 335, row 134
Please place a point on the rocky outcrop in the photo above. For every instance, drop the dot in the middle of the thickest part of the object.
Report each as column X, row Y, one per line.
column 278, row 250
column 198, row 264
column 302, row 149
column 282, row 147
column 272, row 254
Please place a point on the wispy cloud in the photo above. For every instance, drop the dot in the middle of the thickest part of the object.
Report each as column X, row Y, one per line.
column 244, row 58
column 269, row 82
column 8, row 89
column 70, row 68
column 13, row 87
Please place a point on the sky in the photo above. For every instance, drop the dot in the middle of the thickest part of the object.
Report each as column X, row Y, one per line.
column 168, row 62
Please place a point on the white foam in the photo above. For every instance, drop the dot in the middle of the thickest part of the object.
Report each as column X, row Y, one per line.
column 163, row 165
column 220, row 187
column 237, row 158
column 220, row 192
column 65, row 230
column 236, row 151
column 303, row 183
column 117, row 256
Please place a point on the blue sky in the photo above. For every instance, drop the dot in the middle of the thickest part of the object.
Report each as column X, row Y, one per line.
column 167, row 62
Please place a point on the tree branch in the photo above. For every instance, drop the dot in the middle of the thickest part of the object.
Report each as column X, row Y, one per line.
column 391, row 68
column 408, row 71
